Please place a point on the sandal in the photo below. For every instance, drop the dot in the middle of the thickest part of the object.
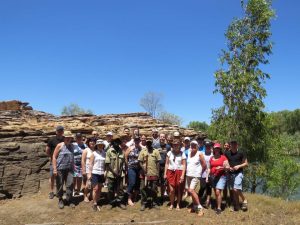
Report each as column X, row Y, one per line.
column 170, row 208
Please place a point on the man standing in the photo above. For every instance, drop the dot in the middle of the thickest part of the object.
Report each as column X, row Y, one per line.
column 107, row 142
column 237, row 161
column 52, row 143
column 155, row 139
column 200, row 140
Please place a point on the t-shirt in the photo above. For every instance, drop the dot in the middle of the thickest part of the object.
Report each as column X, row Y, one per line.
column 186, row 151
column 53, row 142
column 214, row 163
column 153, row 158
column 202, row 149
column 163, row 150
column 116, row 159
column 155, row 143
column 175, row 160
column 235, row 159
column 207, row 159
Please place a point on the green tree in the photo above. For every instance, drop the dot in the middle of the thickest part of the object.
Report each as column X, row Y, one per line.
column 241, row 83
column 170, row 118
column 198, row 126
column 74, row 109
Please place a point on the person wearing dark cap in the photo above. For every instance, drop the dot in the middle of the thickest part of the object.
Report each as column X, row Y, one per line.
column 79, row 146
column 115, row 161
column 133, row 169
column 200, row 140
column 237, row 160
column 52, row 143
column 149, row 161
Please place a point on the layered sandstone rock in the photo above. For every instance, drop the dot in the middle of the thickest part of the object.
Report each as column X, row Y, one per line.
column 24, row 133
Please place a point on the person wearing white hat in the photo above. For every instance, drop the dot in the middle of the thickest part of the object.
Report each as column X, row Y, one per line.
column 63, row 169
column 107, row 142
column 186, row 146
column 96, row 171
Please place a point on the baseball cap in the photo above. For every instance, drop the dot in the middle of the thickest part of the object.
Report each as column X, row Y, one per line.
column 186, row 139
column 194, row 142
column 176, row 134
column 217, row 145
column 109, row 133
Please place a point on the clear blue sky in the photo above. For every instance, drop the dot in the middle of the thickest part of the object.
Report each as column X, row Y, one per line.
column 104, row 55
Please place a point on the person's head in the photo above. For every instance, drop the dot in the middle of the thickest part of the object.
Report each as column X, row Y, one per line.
column 176, row 145
column 170, row 139
column 109, row 136
column 124, row 140
column 136, row 132
column 126, row 131
column 59, row 131
column 68, row 137
column 100, row 145
column 226, row 146
column 143, row 140
column 149, row 143
column 116, row 143
column 208, row 144
column 155, row 133
column 200, row 140
column 176, row 135
column 137, row 141
column 91, row 143
column 194, row 146
column 187, row 142
column 78, row 138
column 95, row 134
column 217, row 149
column 162, row 139
column 233, row 145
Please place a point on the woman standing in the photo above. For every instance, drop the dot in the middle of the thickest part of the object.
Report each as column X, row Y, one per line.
column 132, row 163
column 174, row 173
column 96, row 171
column 79, row 146
column 195, row 165
column 217, row 166
column 85, row 163
column 63, row 169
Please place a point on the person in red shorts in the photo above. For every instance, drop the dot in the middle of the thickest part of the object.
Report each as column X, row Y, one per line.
column 218, row 164
column 174, row 173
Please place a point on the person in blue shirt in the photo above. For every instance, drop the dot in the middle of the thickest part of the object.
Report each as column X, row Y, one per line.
column 200, row 140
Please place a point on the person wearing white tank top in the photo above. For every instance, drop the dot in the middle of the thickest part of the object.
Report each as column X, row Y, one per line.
column 96, row 171
column 195, row 165
column 85, row 162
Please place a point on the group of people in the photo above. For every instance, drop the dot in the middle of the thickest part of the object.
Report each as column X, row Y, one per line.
column 133, row 166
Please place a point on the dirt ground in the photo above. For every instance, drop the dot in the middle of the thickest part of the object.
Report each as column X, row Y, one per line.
column 38, row 209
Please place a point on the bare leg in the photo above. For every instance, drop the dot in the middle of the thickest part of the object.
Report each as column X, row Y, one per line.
column 218, row 194
column 172, row 196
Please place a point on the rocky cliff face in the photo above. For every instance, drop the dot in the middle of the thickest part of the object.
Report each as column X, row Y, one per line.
column 24, row 133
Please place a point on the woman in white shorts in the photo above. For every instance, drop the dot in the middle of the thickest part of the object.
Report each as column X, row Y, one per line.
column 195, row 165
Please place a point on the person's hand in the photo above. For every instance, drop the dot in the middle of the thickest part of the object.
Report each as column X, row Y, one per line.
column 165, row 176
column 89, row 176
column 206, row 180
column 236, row 167
column 83, row 173
column 55, row 173
column 181, row 180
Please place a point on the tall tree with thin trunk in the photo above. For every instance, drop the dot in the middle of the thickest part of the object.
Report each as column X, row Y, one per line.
column 151, row 102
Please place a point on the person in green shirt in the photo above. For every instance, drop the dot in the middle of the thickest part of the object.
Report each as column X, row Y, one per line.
column 115, row 162
column 149, row 161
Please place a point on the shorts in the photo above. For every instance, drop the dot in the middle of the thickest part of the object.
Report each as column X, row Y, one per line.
column 218, row 182
column 51, row 170
column 235, row 181
column 77, row 171
column 173, row 177
column 192, row 182
column 97, row 179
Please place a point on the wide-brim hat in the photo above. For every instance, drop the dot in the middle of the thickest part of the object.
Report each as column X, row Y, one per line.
column 68, row 134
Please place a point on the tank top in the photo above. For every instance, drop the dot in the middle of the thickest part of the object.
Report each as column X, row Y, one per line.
column 194, row 167
column 87, row 159
column 65, row 159
column 133, row 158
column 99, row 162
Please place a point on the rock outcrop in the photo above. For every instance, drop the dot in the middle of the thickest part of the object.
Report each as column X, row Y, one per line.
column 24, row 133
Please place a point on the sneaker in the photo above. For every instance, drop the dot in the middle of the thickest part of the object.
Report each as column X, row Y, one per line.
column 122, row 206
column 72, row 205
column 51, row 195
column 244, row 206
column 94, row 207
column 61, row 204
column 218, row 211
column 143, row 207
column 155, row 206
column 199, row 212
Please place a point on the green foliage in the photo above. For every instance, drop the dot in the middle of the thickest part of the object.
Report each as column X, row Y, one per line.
column 283, row 178
column 170, row 118
column 151, row 102
column 74, row 109
column 286, row 121
column 198, row 126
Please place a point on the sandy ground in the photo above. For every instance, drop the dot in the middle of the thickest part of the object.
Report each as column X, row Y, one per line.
column 38, row 209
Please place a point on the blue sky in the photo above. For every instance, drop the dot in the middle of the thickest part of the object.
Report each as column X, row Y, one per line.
column 104, row 55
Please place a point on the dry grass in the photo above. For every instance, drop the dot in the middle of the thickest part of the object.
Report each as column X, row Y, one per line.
column 38, row 209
